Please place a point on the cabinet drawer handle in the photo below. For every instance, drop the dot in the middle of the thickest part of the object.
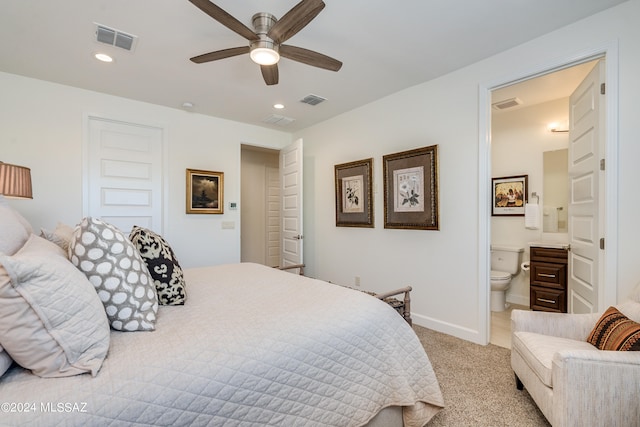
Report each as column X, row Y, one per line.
column 550, row 301
column 553, row 276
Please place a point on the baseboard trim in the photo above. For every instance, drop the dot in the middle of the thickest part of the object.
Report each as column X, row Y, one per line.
column 447, row 328
column 518, row 299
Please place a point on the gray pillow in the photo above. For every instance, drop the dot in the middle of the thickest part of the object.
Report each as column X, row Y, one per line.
column 114, row 267
column 52, row 322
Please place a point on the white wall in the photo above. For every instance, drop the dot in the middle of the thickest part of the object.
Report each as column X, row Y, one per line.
column 518, row 140
column 41, row 127
column 443, row 265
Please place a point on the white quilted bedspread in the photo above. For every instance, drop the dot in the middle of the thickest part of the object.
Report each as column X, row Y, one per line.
column 252, row 346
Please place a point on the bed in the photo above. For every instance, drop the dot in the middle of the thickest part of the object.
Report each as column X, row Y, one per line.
column 249, row 345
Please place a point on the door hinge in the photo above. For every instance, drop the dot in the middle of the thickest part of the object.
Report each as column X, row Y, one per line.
column 602, row 243
column 601, row 164
column 603, row 88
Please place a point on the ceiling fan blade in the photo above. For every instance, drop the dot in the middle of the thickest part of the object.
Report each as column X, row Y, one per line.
column 295, row 20
column 270, row 74
column 220, row 54
column 310, row 57
column 225, row 19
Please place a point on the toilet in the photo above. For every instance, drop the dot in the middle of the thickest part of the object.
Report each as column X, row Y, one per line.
column 505, row 263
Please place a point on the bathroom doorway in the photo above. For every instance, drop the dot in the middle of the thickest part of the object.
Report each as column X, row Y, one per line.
column 486, row 171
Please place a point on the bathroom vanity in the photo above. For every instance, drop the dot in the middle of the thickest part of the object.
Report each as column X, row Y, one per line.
column 548, row 278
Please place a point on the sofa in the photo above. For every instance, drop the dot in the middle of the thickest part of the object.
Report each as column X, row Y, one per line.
column 557, row 358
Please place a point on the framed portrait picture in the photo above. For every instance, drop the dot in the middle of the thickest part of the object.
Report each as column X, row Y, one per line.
column 411, row 189
column 509, row 195
column 205, row 192
column 354, row 198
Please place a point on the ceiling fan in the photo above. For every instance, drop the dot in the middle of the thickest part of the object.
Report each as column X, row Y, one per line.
column 266, row 42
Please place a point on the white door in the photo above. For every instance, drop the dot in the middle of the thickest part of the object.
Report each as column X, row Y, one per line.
column 291, row 204
column 586, row 199
column 123, row 174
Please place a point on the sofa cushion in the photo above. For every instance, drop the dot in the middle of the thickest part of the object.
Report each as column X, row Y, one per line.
column 162, row 264
column 121, row 278
column 51, row 320
column 615, row 331
column 537, row 351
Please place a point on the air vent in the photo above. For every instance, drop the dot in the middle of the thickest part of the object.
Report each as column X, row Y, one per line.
column 312, row 99
column 276, row 119
column 115, row 38
column 507, row 103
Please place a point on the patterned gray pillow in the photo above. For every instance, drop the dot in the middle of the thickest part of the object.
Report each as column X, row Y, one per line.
column 162, row 264
column 121, row 278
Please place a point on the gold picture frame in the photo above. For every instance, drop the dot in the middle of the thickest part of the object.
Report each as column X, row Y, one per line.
column 354, row 195
column 205, row 192
column 411, row 189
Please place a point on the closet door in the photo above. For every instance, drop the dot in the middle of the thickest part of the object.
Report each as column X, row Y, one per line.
column 122, row 177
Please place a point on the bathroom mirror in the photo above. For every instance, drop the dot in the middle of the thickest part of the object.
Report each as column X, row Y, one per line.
column 555, row 191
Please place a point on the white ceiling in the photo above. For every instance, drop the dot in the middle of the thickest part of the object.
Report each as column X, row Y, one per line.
column 385, row 46
column 548, row 87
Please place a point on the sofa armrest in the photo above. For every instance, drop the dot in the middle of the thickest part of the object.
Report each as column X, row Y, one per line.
column 594, row 387
column 573, row 326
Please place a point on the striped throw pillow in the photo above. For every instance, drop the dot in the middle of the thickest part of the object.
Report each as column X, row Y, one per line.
column 615, row 331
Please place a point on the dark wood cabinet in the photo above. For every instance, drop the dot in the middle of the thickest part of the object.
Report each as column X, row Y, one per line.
column 548, row 279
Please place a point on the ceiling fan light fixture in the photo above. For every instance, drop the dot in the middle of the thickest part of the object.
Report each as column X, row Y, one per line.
column 264, row 52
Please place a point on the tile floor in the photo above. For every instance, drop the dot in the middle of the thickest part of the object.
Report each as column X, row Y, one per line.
column 501, row 326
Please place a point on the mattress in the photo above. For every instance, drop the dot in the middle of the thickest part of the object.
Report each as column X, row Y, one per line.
column 252, row 346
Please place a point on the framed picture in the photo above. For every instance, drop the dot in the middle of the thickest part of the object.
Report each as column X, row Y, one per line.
column 509, row 195
column 411, row 189
column 354, row 197
column 205, row 192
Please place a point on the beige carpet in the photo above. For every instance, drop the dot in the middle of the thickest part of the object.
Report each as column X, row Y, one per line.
column 478, row 384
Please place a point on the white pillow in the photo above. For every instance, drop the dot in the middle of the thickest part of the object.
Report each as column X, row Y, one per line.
column 61, row 236
column 121, row 278
column 51, row 320
column 14, row 229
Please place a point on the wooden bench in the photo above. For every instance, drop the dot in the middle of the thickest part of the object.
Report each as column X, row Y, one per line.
column 402, row 306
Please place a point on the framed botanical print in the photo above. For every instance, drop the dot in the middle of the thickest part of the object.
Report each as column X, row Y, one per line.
column 205, row 192
column 354, row 197
column 411, row 189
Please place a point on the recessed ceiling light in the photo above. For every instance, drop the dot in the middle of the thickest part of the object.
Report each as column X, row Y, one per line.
column 103, row 57
column 187, row 105
column 278, row 106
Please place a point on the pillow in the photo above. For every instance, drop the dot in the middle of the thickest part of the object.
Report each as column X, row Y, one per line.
column 5, row 361
column 51, row 320
column 116, row 270
column 14, row 229
column 162, row 264
column 61, row 236
column 615, row 331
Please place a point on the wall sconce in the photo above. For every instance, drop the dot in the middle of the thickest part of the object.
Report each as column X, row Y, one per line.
column 15, row 181
column 555, row 128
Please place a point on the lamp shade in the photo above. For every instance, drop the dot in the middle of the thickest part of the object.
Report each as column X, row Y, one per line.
column 15, row 181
